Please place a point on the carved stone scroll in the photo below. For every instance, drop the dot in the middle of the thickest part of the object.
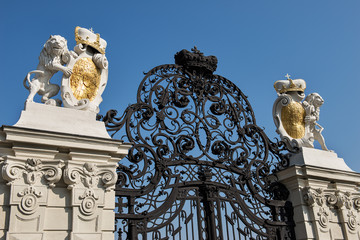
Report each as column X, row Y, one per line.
column 90, row 175
column 33, row 171
column 333, row 206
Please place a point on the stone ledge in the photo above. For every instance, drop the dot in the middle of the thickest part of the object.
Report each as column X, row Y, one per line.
column 36, row 137
column 63, row 120
column 319, row 158
column 313, row 172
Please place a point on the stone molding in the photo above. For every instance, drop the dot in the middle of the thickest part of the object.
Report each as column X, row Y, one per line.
column 116, row 148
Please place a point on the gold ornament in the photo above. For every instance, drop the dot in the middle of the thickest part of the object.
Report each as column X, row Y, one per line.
column 290, row 85
column 90, row 38
column 293, row 119
column 85, row 79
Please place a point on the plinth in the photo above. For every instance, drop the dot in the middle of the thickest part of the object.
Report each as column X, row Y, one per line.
column 319, row 158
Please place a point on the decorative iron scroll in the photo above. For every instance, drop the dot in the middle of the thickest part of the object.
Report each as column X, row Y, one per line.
column 200, row 167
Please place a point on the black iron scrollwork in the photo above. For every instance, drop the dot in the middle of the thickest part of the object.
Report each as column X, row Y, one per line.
column 200, row 167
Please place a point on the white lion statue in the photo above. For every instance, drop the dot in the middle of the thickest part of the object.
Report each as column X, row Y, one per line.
column 312, row 104
column 51, row 60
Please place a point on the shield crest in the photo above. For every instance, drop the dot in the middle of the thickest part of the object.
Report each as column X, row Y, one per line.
column 293, row 119
column 83, row 89
column 85, row 79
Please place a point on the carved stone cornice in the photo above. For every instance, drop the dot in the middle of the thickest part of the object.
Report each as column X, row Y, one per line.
column 32, row 171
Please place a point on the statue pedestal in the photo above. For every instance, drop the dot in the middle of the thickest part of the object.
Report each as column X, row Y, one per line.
column 319, row 158
column 59, row 119
column 58, row 176
column 325, row 196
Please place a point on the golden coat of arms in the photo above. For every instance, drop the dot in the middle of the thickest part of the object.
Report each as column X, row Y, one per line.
column 83, row 88
column 295, row 120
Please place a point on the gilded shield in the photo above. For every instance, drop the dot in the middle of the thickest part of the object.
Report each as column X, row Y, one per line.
column 85, row 79
column 293, row 120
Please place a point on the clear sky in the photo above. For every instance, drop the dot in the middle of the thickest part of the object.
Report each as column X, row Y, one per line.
column 256, row 42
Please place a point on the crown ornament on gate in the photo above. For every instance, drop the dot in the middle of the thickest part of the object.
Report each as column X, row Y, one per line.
column 88, row 37
column 196, row 60
column 289, row 85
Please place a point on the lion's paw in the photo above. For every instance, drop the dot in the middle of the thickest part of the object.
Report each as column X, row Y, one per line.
column 53, row 102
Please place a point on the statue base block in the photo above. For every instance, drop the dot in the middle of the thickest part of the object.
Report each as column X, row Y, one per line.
column 319, row 158
column 58, row 119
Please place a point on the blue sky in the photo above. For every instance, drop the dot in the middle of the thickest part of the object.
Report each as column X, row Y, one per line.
column 256, row 43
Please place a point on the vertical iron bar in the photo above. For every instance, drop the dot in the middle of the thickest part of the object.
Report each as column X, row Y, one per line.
column 199, row 218
column 210, row 225
column 192, row 220
column 179, row 227
column 132, row 234
column 227, row 222
column 238, row 225
column 220, row 222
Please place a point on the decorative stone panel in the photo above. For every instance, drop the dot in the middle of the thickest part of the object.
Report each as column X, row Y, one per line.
column 326, row 202
column 333, row 207
column 57, row 186
column 29, row 181
column 89, row 183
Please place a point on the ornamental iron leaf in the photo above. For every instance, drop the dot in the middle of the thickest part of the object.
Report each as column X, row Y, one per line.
column 200, row 167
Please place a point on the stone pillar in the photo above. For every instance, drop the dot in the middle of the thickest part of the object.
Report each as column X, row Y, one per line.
column 54, row 184
column 325, row 195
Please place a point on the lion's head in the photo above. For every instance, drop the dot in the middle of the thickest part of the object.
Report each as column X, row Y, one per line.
column 315, row 99
column 56, row 45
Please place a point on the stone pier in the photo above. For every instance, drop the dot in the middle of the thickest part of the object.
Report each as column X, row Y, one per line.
column 57, row 184
column 325, row 195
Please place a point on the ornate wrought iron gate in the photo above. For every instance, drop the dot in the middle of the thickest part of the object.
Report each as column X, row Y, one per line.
column 200, row 167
